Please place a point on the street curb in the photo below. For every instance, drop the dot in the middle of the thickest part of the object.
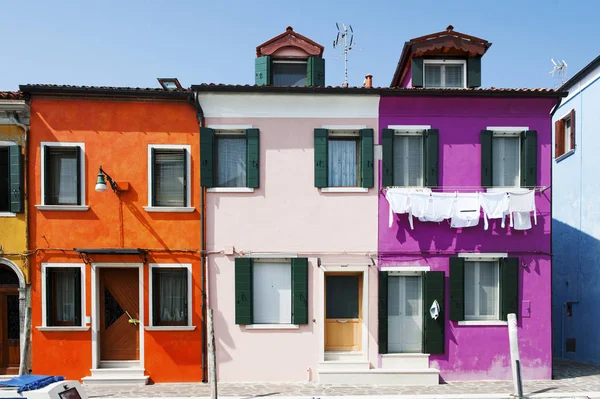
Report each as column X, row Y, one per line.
column 574, row 395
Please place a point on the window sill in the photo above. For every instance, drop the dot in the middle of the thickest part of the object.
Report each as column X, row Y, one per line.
column 272, row 326
column 230, row 190
column 169, row 209
column 45, row 328
column 7, row 215
column 170, row 328
column 344, row 190
column 564, row 156
column 79, row 208
column 483, row 323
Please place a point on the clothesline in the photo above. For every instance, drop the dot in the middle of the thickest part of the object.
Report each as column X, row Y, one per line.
column 539, row 189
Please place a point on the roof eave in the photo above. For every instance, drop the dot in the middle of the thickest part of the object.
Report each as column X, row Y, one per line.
column 97, row 91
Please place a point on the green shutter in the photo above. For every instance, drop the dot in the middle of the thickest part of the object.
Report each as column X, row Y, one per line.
column 253, row 158
column 433, row 333
column 529, row 158
column 417, row 72
column 366, row 158
column 315, row 71
column 383, row 312
column 47, row 176
column 262, row 70
column 299, row 290
column 509, row 287
column 473, row 71
column 321, row 158
column 432, row 140
column 457, row 289
column 387, row 158
column 153, row 176
column 79, row 155
column 207, row 145
column 77, row 285
column 243, row 290
column 486, row 158
column 16, row 179
column 49, row 296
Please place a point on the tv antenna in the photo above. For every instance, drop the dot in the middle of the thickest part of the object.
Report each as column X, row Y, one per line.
column 344, row 39
column 560, row 67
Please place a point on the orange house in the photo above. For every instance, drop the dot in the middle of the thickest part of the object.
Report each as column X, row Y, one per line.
column 116, row 275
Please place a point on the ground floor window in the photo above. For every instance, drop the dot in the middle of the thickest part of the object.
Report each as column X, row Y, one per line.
column 170, row 296
column 63, row 296
column 405, row 313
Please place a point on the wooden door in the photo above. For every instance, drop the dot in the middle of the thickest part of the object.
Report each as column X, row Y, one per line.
column 343, row 312
column 119, row 314
column 10, row 352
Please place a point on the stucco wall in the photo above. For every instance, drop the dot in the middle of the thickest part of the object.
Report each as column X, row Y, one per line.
column 576, row 227
column 478, row 352
column 287, row 214
column 116, row 135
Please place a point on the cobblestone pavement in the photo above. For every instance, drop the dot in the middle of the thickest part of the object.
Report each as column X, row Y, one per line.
column 569, row 377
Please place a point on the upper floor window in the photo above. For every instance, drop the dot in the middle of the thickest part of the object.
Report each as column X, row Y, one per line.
column 289, row 73
column 63, row 178
column 410, row 156
column 444, row 73
column 344, row 157
column 4, row 179
column 506, row 157
column 564, row 134
column 169, row 183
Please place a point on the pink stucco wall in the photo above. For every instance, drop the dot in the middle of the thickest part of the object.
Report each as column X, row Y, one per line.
column 478, row 352
column 287, row 214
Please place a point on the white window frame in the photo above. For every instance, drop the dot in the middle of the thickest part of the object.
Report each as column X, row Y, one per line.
column 188, row 326
column 188, row 150
column 46, row 207
column 477, row 317
column 229, row 130
column 8, row 144
column 443, row 63
column 274, row 326
column 412, row 130
column 84, row 321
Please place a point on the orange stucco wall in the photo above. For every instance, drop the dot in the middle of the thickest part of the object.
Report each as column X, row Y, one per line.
column 116, row 134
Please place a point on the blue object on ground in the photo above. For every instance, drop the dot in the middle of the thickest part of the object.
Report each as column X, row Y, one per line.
column 30, row 382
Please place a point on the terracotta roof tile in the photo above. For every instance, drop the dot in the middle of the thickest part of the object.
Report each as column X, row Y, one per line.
column 12, row 95
column 96, row 88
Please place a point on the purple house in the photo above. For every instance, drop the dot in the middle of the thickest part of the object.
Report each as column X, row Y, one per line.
column 452, row 152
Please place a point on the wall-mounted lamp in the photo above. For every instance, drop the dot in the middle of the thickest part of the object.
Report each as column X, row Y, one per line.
column 101, row 183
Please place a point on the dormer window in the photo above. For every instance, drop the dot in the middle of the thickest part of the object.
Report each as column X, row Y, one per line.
column 289, row 73
column 444, row 73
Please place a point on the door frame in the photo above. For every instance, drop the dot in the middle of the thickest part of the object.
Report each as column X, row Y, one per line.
column 22, row 303
column 96, row 307
column 345, row 268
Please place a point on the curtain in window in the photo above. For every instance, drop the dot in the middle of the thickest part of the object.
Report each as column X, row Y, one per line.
column 63, row 175
column 342, row 163
column 433, row 75
column 173, row 296
column 272, row 293
column 408, row 160
column 454, row 76
column 64, row 302
column 289, row 74
column 231, row 160
column 481, row 290
column 506, row 161
column 169, row 175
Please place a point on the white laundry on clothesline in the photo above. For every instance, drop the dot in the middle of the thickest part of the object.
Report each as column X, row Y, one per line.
column 467, row 211
column 521, row 204
column 494, row 205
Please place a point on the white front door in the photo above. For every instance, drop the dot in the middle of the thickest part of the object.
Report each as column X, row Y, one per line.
column 405, row 314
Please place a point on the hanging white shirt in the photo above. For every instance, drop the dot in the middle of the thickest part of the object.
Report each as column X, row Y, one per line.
column 466, row 211
column 494, row 205
column 522, row 202
column 521, row 220
column 420, row 207
column 399, row 201
column 440, row 207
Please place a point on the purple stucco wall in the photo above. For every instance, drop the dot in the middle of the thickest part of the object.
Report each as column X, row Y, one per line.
column 478, row 352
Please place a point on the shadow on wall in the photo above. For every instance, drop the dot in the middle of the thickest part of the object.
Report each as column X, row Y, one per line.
column 575, row 294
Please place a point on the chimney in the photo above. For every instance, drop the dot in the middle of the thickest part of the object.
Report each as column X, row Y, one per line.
column 368, row 83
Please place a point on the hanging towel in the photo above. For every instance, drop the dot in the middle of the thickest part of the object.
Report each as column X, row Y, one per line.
column 420, row 207
column 440, row 207
column 434, row 310
column 399, row 200
column 522, row 202
column 494, row 205
column 466, row 211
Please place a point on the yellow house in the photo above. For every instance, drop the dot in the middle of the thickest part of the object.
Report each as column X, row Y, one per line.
column 14, row 269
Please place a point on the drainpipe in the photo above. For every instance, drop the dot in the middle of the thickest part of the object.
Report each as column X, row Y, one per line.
column 203, row 262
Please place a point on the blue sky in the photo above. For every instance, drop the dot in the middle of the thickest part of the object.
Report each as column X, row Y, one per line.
column 133, row 42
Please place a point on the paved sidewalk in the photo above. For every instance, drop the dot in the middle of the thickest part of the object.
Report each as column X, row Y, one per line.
column 571, row 380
